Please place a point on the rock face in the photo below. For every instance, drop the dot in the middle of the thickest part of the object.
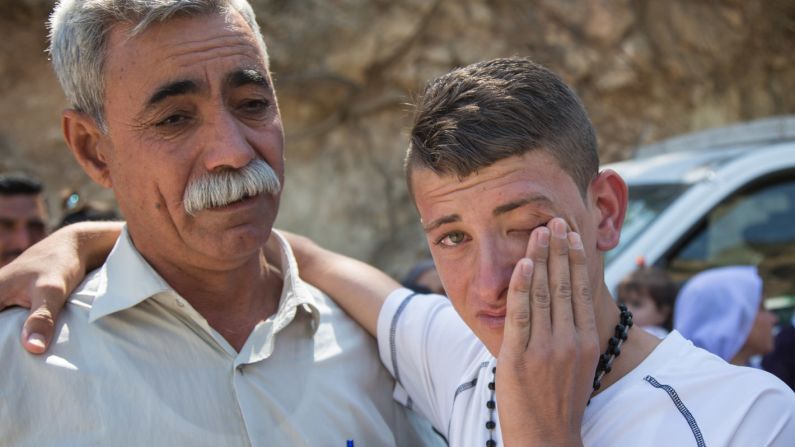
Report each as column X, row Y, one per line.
column 345, row 71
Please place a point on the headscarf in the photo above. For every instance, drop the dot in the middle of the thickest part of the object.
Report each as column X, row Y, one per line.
column 717, row 308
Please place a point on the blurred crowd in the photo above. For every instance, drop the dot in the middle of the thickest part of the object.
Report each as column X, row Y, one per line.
column 25, row 218
column 722, row 310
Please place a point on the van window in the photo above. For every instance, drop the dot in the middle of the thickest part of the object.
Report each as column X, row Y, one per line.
column 753, row 226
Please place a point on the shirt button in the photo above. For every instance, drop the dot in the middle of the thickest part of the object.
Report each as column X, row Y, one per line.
column 180, row 303
column 239, row 368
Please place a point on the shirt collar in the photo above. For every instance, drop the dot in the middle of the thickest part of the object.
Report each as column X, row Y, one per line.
column 125, row 280
column 295, row 292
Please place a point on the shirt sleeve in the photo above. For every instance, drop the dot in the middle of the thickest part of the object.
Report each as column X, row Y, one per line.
column 428, row 349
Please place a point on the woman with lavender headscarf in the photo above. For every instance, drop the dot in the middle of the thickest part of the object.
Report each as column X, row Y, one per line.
column 721, row 311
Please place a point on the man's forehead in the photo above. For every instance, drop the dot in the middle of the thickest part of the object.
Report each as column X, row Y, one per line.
column 21, row 204
column 183, row 55
column 185, row 41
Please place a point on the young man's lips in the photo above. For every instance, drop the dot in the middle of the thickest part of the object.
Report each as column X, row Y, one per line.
column 492, row 319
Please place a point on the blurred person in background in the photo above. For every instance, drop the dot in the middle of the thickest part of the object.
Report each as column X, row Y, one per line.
column 721, row 310
column 23, row 215
column 779, row 274
column 423, row 278
column 649, row 293
column 78, row 209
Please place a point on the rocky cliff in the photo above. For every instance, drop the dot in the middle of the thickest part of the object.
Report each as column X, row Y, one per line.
column 345, row 70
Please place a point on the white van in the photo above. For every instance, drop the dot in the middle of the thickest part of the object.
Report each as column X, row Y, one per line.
column 714, row 198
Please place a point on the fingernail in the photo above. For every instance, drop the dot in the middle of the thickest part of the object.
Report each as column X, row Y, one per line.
column 37, row 340
column 527, row 267
column 558, row 228
column 542, row 236
column 575, row 241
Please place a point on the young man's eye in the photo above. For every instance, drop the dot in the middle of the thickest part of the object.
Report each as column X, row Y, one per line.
column 452, row 239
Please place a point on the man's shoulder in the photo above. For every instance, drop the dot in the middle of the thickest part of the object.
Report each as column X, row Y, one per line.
column 693, row 368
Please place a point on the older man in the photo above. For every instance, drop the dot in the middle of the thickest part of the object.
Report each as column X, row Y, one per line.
column 23, row 215
column 185, row 336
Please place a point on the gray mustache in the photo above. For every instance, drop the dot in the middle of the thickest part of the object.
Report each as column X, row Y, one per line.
column 220, row 188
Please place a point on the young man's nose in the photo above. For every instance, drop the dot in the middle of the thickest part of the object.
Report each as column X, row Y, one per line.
column 494, row 267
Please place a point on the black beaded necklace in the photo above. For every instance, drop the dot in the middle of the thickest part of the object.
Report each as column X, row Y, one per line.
column 605, row 366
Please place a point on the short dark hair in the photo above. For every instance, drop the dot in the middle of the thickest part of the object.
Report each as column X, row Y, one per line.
column 478, row 115
column 19, row 184
column 657, row 284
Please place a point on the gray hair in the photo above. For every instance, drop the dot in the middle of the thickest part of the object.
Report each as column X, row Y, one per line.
column 79, row 31
column 222, row 187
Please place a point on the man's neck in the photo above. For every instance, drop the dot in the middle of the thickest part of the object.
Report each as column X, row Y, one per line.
column 636, row 348
column 232, row 301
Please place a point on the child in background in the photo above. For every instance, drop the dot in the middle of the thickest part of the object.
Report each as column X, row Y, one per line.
column 649, row 293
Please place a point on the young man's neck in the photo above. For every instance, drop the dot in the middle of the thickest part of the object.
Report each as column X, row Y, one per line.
column 636, row 348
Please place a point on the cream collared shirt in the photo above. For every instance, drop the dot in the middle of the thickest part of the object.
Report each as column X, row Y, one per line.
column 134, row 364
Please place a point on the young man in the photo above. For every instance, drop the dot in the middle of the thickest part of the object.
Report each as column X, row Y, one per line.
column 504, row 172
column 23, row 215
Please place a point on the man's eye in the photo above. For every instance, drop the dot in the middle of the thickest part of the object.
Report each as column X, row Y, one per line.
column 173, row 120
column 452, row 239
column 255, row 106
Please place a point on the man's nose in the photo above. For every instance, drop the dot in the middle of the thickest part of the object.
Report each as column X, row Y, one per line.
column 20, row 239
column 225, row 144
column 494, row 267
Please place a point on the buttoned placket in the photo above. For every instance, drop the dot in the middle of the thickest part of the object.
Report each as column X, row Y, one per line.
column 262, row 337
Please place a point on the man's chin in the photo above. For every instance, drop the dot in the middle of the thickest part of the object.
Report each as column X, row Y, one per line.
column 491, row 335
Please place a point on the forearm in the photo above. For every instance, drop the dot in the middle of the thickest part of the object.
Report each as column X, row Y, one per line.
column 360, row 289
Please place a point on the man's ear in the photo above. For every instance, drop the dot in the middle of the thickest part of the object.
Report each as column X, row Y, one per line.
column 609, row 197
column 88, row 144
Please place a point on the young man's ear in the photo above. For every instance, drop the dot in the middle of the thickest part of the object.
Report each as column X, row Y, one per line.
column 609, row 196
column 88, row 144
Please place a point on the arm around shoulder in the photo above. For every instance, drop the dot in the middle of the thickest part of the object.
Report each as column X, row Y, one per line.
column 360, row 289
column 45, row 274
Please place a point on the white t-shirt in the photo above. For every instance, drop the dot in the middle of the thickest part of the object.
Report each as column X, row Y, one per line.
column 679, row 395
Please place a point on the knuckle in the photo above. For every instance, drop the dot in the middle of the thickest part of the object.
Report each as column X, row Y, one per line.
column 520, row 317
column 42, row 316
column 563, row 290
column 541, row 298
column 584, row 291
